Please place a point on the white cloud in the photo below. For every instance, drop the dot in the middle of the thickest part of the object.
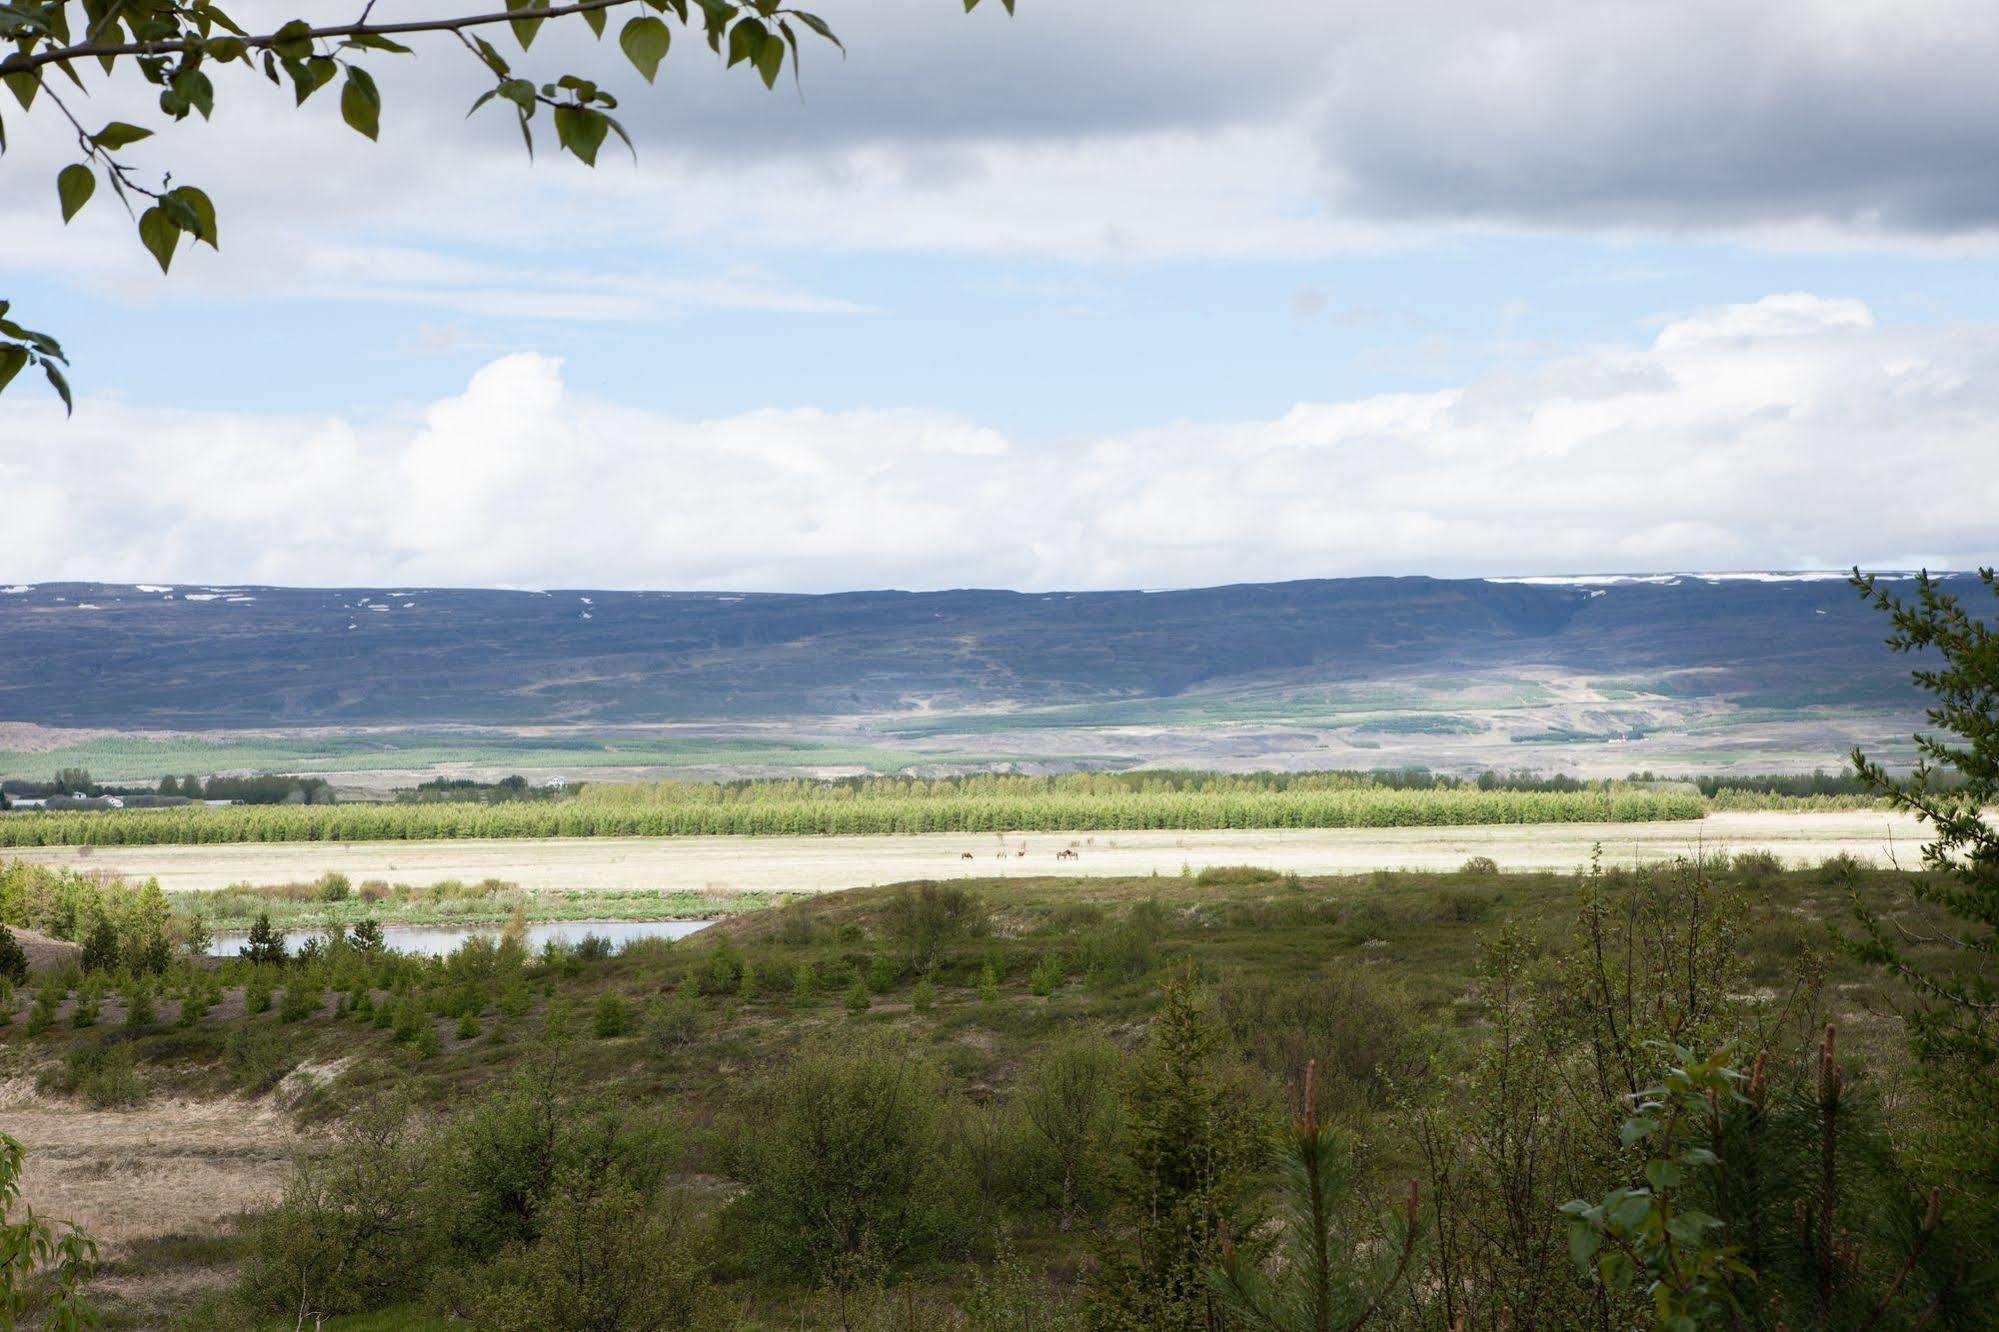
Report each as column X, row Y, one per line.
column 1791, row 432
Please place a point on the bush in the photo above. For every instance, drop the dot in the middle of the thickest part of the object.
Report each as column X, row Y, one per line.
column 673, row 1020
column 1047, row 976
column 881, row 975
column 989, row 983
column 468, row 1028
column 611, row 1018
column 138, row 1005
column 257, row 994
column 301, row 1002
column 593, row 948
column 100, row 1074
column 1479, row 867
column 858, row 999
column 924, row 996
column 1222, row 876
column 332, row 887
column 1465, row 906
column 843, row 1176
column 257, row 1058
column 85, row 1012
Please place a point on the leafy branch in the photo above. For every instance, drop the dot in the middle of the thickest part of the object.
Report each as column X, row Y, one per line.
column 179, row 45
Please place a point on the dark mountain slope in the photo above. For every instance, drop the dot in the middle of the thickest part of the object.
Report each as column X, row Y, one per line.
column 94, row 654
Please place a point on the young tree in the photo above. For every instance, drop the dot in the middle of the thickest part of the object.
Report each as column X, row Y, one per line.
column 13, row 958
column 266, row 944
column 1069, row 1097
column 191, row 51
column 1191, row 1144
column 1954, row 1020
column 1326, row 1279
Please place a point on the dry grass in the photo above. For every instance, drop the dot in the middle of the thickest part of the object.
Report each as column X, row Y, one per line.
column 45, row 954
column 170, row 1167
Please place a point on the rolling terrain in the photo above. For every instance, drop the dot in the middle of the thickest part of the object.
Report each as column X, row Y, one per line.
column 1599, row 675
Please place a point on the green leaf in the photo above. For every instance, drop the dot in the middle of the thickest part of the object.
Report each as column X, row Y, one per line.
column 369, row 41
column 769, row 60
column 745, row 40
column 74, row 186
column 225, row 49
column 526, row 28
column 12, row 358
column 158, row 234
column 293, row 41
column 59, row 383
column 644, row 42
column 818, row 25
column 596, row 18
column 581, row 131
column 360, row 103
column 118, row 134
column 203, row 210
column 24, row 86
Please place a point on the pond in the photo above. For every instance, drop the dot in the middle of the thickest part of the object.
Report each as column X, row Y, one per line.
column 438, row 940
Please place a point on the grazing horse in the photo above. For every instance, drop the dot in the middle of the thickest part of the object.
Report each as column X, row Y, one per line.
column 966, row 856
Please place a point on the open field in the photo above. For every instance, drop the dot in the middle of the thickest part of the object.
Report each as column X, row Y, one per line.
column 715, row 865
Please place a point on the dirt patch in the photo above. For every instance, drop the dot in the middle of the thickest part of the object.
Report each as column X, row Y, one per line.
column 166, row 1168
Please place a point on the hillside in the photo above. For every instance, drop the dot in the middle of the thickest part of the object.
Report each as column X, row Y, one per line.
column 181, row 657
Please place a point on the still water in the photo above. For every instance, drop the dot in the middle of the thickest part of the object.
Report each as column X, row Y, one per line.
column 438, row 940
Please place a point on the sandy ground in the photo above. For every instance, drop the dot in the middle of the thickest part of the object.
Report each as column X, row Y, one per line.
column 824, row 864
column 166, row 1168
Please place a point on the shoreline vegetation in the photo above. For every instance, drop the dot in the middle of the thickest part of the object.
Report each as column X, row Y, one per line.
column 1071, row 803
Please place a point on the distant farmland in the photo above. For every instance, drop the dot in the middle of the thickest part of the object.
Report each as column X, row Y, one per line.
column 1014, row 804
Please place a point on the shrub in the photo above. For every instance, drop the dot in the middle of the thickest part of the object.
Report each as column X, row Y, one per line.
column 989, row 982
column 1479, row 867
column 1465, row 906
column 611, row 1018
column 673, row 1021
column 195, row 1002
column 101, row 1074
column 332, row 887
column 1047, row 975
column 881, row 975
column 1219, row 876
column 301, row 1002
column 841, row 1165
column 138, row 1005
column 257, row 994
column 858, row 999
column 924, row 996
column 927, row 916
column 593, row 948
column 468, row 1028
column 257, row 1058
column 85, row 1012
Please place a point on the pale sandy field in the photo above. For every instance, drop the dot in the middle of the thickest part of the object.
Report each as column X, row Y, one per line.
column 825, row 864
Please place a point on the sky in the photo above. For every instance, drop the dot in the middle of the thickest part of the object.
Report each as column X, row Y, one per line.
column 1106, row 294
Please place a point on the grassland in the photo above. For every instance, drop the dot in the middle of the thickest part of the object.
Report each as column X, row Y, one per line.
column 1379, row 977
